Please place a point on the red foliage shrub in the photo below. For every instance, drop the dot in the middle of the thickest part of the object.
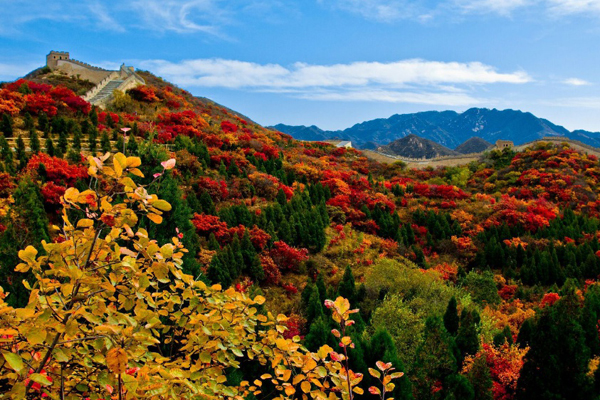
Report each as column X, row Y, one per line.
column 287, row 257
column 207, row 224
column 57, row 169
column 52, row 193
column 227, row 127
column 143, row 93
column 549, row 299
column 272, row 273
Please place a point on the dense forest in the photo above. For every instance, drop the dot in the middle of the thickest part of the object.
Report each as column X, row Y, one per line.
column 475, row 282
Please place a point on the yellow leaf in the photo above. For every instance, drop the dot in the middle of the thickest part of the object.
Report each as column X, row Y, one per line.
column 116, row 359
column 133, row 162
column 342, row 305
column 157, row 219
column 357, row 390
column 289, row 390
column 136, row 172
column 167, row 250
column 305, row 386
column 28, row 254
column 71, row 195
column 161, row 205
column 259, row 300
column 85, row 223
column 282, row 344
column 346, row 340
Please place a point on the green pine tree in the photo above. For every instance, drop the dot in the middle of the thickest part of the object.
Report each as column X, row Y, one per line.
column 34, row 141
column 7, row 155
column 178, row 219
column 467, row 337
column 451, row 320
column 347, row 288
column 105, row 145
column 6, row 125
column 50, row 150
column 21, row 153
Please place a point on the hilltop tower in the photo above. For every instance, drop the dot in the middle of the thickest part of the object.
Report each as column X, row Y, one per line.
column 53, row 57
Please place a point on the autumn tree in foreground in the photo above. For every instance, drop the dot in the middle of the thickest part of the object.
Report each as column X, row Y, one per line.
column 112, row 315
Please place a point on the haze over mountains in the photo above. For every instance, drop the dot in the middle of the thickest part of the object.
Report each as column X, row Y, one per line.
column 447, row 128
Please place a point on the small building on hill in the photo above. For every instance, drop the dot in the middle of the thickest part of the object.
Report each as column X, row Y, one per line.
column 340, row 143
column 504, row 144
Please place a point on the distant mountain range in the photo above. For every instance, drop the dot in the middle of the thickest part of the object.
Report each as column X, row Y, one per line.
column 447, row 128
column 413, row 146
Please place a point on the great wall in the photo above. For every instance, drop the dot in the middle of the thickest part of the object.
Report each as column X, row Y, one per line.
column 452, row 161
column 106, row 81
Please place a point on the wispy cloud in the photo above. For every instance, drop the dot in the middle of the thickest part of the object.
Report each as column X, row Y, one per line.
column 12, row 71
column 575, row 102
column 382, row 10
column 576, row 82
column 411, row 81
column 179, row 16
column 502, row 7
column 424, row 11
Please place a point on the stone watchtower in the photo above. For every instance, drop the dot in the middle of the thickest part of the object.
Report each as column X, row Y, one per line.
column 54, row 56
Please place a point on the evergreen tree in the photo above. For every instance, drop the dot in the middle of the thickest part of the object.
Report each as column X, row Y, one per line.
column 314, row 310
column 94, row 117
column 105, row 145
column 179, row 218
column 451, row 320
column 34, row 141
column 77, row 142
column 30, row 206
column 347, row 288
column 218, row 271
column 50, row 150
column 29, row 124
column 7, row 155
column 281, row 198
column 481, row 380
column 43, row 122
column 318, row 335
column 208, row 207
column 556, row 365
column 321, row 288
column 6, row 125
column 21, row 153
column 222, row 169
column 252, row 265
column 504, row 336
column 213, row 244
column 436, row 357
column 93, row 139
column 132, row 146
column 63, row 143
column 383, row 348
column 467, row 337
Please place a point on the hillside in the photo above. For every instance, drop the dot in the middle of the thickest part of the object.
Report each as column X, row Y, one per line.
column 450, row 128
column 413, row 146
column 198, row 262
column 473, row 145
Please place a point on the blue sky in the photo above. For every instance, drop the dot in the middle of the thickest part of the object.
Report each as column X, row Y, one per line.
column 333, row 63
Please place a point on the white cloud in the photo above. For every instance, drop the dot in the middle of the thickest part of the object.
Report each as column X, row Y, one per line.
column 576, row 82
column 390, row 96
column 240, row 74
column 381, row 10
column 13, row 71
column 411, row 81
column 576, row 102
column 502, row 7
column 567, row 7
